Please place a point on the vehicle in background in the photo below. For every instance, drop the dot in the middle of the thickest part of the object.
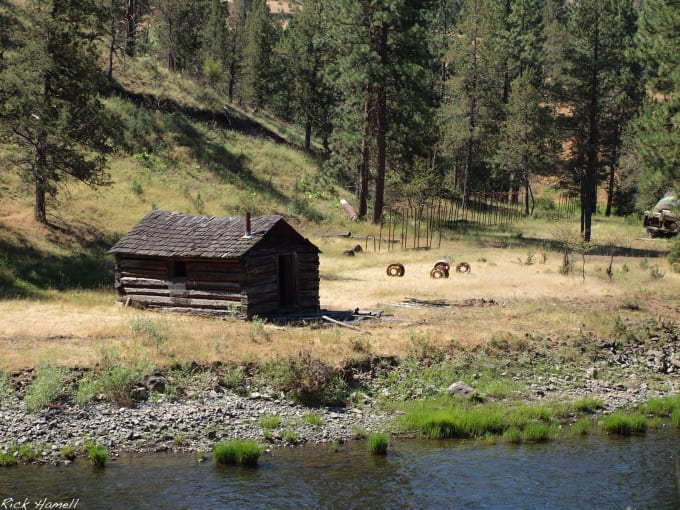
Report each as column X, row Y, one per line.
column 664, row 219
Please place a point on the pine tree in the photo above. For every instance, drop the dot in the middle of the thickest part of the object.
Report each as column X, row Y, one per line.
column 657, row 130
column 381, row 70
column 524, row 149
column 49, row 107
column 598, row 42
column 260, row 36
column 302, row 55
column 214, row 43
column 473, row 94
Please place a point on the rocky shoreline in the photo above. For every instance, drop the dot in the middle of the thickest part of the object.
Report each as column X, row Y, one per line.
column 621, row 379
column 182, row 425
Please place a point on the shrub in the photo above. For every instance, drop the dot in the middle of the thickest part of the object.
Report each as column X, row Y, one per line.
column 155, row 330
column 306, row 380
column 581, row 427
column 86, row 391
column 6, row 389
column 378, row 443
column 45, row 389
column 27, row 453
column 675, row 418
column 97, row 454
column 237, row 451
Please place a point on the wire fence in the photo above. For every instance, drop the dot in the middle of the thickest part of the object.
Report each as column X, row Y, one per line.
column 420, row 226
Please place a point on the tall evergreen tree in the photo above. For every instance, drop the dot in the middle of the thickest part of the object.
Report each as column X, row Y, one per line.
column 180, row 25
column 214, row 43
column 473, row 95
column 49, row 107
column 259, row 40
column 303, row 54
column 598, row 42
column 235, row 42
column 524, row 149
column 657, row 130
column 381, row 70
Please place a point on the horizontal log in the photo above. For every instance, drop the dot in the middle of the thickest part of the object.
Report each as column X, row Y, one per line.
column 214, row 276
column 144, row 282
column 216, row 267
column 146, row 273
column 164, row 301
column 195, row 294
column 225, row 286
column 142, row 264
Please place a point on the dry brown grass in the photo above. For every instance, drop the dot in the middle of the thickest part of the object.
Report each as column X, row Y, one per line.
column 503, row 293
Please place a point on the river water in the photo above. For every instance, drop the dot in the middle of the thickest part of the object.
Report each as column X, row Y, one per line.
column 594, row 472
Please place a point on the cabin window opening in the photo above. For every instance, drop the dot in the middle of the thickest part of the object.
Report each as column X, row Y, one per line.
column 179, row 269
column 287, row 280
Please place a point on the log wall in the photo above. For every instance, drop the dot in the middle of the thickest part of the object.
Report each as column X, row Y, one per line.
column 245, row 287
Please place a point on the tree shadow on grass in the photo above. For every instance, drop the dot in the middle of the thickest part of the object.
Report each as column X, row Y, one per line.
column 82, row 263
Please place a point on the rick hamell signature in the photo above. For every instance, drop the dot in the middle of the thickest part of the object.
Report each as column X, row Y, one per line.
column 37, row 504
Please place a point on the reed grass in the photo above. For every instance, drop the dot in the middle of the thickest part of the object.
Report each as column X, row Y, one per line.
column 97, row 454
column 269, row 421
column 624, row 424
column 588, row 405
column 378, row 443
column 237, row 451
column 536, row 432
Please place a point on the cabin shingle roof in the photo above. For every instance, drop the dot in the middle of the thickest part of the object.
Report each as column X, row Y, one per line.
column 166, row 234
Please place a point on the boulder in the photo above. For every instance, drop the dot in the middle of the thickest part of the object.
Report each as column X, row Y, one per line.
column 460, row 389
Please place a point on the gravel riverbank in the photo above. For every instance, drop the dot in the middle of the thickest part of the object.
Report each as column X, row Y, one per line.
column 620, row 378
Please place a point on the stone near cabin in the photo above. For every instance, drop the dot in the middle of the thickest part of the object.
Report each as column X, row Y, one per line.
column 460, row 389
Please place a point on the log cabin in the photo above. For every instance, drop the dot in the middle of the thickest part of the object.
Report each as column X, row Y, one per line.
column 239, row 266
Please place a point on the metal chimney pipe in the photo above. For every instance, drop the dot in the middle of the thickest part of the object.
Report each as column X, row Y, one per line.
column 248, row 231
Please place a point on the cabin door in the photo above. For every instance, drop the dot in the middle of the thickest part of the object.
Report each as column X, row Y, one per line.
column 287, row 280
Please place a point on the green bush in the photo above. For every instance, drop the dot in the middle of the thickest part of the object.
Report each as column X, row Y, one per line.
column 237, row 451
column 305, row 380
column 86, row 389
column 378, row 443
column 68, row 453
column 582, row 427
column 156, row 330
column 6, row 389
column 45, row 389
column 312, row 419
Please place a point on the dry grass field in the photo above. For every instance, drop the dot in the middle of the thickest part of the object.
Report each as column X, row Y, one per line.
column 514, row 292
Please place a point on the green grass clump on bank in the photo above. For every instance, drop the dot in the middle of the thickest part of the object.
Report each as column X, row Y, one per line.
column 97, row 454
column 624, row 424
column 237, row 451
column 7, row 459
column 378, row 443
column 665, row 406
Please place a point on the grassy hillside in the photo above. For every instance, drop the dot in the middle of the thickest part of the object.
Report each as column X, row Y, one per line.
column 184, row 151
